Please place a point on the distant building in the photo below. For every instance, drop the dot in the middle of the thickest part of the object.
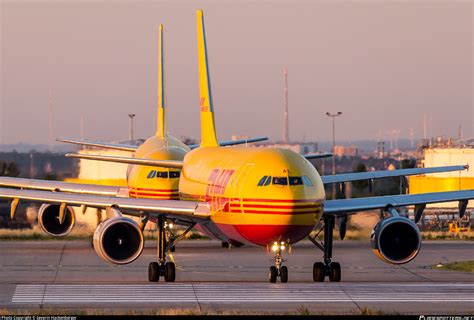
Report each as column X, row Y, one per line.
column 342, row 151
column 444, row 155
column 298, row 147
column 102, row 173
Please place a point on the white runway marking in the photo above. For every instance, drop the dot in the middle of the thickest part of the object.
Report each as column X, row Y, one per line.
column 243, row 293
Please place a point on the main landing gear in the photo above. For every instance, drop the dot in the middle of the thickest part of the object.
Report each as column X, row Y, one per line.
column 278, row 270
column 163, row 268
column 327, row 268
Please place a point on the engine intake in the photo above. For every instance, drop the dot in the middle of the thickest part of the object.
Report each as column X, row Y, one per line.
column 48, row 219
column 396, row 240
column 118, row 240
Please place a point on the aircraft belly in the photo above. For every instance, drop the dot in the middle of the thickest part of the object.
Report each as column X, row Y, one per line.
column 263, row 228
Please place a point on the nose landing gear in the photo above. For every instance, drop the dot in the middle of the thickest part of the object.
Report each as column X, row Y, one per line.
column 278, row 270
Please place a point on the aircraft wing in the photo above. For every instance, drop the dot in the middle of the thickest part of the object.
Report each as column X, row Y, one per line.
column 184, row 210
column 60, row 186
column 234, row 142
column 130, row 160
column 354, row 176
column 349, row 206
column 101, row 144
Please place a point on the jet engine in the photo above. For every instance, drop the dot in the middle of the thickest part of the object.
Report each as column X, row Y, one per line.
column 396, row 240
column 48, row 219
column 118, row 240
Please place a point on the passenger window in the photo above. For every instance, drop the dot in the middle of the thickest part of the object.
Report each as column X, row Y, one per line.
column 151, row 174
column 162, row 174
column 296, row 181
column 174, row 174
column 307, row 182
column 262, row 181
column 280, row 181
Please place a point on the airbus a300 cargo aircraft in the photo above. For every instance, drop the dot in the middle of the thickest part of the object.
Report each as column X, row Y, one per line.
column 256, row 196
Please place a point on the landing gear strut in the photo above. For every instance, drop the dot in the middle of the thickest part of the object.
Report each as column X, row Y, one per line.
column 327, row 268
column 166, row 269
column 278, row 270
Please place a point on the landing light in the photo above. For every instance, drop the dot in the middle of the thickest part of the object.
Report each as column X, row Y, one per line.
column 278, row 246
column 275, row 247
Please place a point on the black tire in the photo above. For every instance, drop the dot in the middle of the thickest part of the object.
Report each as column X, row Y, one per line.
column 335, row 273
column 318, row 272
column 284, row 274
column 173, row 249
column 272, row 274
column 153, row 272
column 170, row 272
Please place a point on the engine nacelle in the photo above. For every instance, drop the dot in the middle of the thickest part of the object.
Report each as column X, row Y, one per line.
column 396, row 240
column 118, row 240
column 48, row 219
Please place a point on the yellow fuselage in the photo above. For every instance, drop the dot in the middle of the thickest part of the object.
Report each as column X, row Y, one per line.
column 256, row 195
column 247, row 207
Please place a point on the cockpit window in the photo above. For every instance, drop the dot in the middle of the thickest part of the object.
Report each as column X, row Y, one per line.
column 162, row 174
column 280, row 181
column 262, row 181
column 296, row 181
column 284, row 181
column 307, row 182
column 174, row 174
column 267, row 182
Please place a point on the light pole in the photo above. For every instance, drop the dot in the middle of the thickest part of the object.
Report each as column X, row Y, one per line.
column 131, row 116
column 333, row 116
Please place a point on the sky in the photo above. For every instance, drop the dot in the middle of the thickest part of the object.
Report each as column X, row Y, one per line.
column 384, row 64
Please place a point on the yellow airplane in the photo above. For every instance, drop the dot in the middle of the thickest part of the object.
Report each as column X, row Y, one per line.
column 257, row 196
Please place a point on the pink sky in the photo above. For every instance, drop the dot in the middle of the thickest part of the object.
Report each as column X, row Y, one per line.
column 384, row 64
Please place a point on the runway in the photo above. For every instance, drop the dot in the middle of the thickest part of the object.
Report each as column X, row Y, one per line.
column 68, row 274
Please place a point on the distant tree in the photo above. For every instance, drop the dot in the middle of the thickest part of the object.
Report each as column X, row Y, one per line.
column 408, row 163
column 50, row 176
column 361, row 184
column 9, row 169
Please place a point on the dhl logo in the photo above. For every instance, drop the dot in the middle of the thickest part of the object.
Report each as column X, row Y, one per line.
column 203, row 107
column 217, row 182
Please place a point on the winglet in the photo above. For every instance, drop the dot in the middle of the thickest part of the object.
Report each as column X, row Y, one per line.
column 208, row 130
column 160, row 121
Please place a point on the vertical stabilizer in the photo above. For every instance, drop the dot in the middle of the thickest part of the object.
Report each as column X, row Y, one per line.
column 208, row 130
column 160, row 121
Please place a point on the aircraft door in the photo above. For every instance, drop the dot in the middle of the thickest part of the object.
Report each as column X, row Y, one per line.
column 239, row 184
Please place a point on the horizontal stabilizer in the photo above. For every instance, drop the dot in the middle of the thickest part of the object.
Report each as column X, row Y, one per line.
column 137, row 161
column 100, row 144
column 317, row 155
column 235, row 142
column 354, row 176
